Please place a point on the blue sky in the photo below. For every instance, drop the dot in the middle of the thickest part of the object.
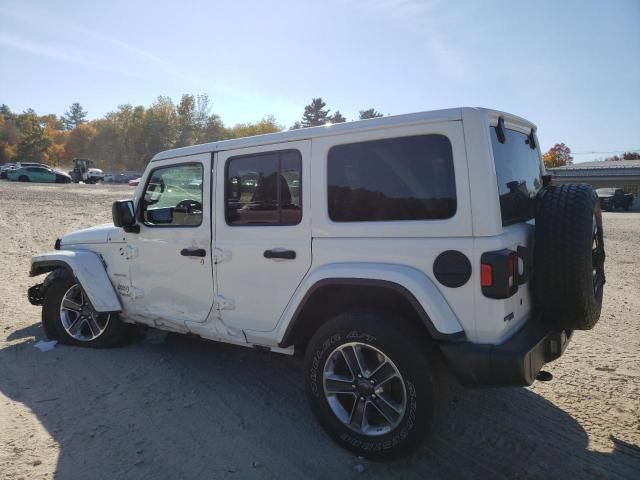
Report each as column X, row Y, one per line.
column 572, row 67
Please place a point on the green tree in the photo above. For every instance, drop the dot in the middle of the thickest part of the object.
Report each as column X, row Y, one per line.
column 160, row 126
column 214, row 130
column 74, row 116
column 6, row 112
column 33, row 138
column 337, row 117
column 314, row 114
column 187, row 127
column 369, row 113
column 52, row 122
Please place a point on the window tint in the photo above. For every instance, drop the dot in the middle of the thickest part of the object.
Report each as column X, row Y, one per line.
column 518, row 175
column 264, row 189
column 173, row 196
column 405, row 178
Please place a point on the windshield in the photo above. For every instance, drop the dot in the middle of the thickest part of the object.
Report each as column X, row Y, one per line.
column 518, row 174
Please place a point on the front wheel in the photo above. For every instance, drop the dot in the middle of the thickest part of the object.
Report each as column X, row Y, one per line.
column 23, row 178
column 374, row 382
column 69, row 317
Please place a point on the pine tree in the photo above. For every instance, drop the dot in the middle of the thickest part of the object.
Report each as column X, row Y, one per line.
column 315, row 114
column 369, row 113
column 74, row 117
column 337, row 117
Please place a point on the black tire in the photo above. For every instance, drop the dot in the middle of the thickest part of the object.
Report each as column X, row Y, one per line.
column 568, row 276
column 115, row 334
column 23, row 178
column 415, row 358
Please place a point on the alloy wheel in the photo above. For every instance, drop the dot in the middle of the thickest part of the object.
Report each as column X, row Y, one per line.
column 79, row 319
column 364, row 389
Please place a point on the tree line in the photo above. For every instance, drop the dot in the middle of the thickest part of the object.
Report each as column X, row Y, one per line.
column 128, row 137
column 560, row 155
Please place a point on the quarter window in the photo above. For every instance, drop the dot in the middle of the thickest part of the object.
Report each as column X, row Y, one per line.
column 404, row 178
column 173, row 196
column 264, row 189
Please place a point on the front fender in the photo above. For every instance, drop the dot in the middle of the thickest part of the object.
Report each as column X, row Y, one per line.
column 443, row 320
column 89, row 271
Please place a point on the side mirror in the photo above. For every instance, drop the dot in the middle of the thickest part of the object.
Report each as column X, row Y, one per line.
column 123, row 214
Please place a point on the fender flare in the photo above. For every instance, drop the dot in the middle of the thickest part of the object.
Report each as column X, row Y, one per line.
column 88, row 269
column 416, row 287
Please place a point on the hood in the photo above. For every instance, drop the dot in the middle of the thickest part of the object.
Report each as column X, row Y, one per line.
column 107, row 233
column 95, row 170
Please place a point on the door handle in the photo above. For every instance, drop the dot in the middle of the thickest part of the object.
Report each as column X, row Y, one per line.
column 286, row 254
column 193, row 252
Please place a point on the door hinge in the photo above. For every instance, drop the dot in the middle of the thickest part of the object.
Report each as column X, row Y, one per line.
column 223, row 303
column 220, row 255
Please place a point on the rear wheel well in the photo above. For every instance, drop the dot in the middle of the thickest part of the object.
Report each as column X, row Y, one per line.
column 328, row 299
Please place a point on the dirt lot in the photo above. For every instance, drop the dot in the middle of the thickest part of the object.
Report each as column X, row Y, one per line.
column 186, row 408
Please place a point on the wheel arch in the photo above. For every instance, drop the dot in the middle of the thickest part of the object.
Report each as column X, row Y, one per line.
column 88, row 269
column 331, row 294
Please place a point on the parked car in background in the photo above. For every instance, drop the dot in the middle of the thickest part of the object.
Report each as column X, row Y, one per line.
column 134, row 182
column 5, row 169
column 121, row 177
column 612, row 198
column 38, row 174
column 31, row 164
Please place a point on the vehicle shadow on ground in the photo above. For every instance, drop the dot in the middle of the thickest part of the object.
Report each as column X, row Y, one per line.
column 188, row 408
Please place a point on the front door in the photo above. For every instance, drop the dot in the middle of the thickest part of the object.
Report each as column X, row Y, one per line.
column 263, row 231
column 171, row 272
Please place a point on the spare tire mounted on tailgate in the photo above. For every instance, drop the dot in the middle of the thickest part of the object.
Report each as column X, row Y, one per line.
column 568, row 277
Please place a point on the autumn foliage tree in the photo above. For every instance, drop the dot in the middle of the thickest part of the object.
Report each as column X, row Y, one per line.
column 34, row 141
column 625, row 156
column 129, row 136
column 558, row 156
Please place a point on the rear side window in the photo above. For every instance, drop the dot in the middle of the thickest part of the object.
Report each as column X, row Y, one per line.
column 404, row 178
column 518, row 175
column 264, row 189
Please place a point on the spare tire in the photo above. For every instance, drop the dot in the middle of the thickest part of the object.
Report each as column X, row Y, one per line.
column 568, row 275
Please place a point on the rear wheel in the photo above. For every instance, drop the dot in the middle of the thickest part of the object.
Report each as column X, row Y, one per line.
column 375, row 384
column 69, row 315
column 23, row 178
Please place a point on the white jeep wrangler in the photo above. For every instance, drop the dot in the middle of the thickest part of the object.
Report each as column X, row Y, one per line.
column 389, row 250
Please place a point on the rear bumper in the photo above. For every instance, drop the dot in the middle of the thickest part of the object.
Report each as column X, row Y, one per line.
column 515, row 362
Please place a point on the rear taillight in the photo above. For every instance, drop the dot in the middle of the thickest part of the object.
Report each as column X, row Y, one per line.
column 486, row 275
column 499, row 273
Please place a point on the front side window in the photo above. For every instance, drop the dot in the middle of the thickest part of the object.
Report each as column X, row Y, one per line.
column 518, row 174
column 173, row 196
column 404, row 178
column 264, row 189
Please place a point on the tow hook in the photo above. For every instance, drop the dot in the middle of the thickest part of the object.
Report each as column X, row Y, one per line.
column 544, row 376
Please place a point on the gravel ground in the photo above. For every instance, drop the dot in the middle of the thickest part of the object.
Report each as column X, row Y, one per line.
column 180, row 407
